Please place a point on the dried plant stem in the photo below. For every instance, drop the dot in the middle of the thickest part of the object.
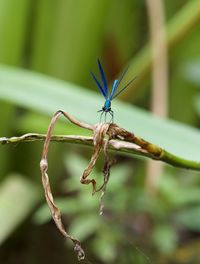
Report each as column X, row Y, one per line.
column 106, row 136
column 106, row 175
column 130, row 147
column 55, row 212
column 159, row 93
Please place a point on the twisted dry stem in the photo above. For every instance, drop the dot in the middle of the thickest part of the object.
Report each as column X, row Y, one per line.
column 106, row 175
column 105, row 136
column 100, row 131
column 55, row 212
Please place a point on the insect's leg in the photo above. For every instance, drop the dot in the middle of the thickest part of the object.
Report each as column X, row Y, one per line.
column 112, row 114
column 100, row 115
column 105, row 117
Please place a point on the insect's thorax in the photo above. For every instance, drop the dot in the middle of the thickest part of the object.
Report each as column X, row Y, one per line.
column 107, row 105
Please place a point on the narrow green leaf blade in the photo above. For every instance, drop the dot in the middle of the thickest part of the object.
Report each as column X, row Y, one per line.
column 18, row 196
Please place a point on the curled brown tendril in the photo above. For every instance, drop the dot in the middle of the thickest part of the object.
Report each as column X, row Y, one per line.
column 102, row 134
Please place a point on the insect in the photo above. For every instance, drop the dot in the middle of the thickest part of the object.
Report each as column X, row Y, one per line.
column 103, row 87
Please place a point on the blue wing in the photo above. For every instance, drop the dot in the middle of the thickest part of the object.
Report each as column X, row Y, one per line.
column 114, row 87
column 124, row 88
column 103, row 78
column 99, row 85
column 117, row 84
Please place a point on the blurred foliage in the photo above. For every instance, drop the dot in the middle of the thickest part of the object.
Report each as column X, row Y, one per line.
column 62, row 39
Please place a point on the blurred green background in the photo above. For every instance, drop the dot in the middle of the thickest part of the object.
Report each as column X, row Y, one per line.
column 47, row 50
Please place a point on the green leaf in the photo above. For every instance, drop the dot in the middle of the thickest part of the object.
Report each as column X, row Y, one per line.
column 47, row 95
column 105, row 248
column 189, row 218
column 197, row 104
column 85, row 225
column 68, row 206
column 13, row 29
column 67, row 37
column 165, row 238
column 191, row 71
column 177, row 193
column 18, row 197
column 37, row 122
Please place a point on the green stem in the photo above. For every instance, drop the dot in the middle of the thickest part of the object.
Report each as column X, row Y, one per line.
column 114, row 145
column 179, row 162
